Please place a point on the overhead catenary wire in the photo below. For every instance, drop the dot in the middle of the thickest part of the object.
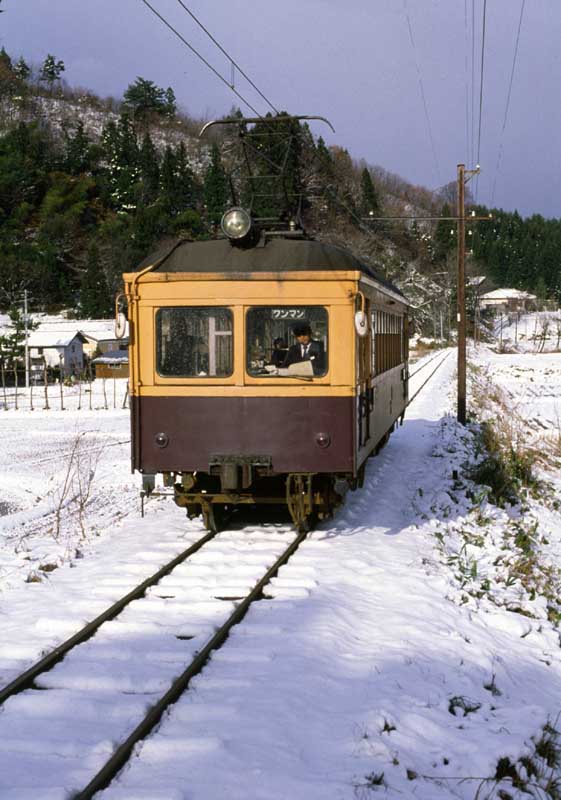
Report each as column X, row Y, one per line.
column 481, row 84
column 228, row 56
column 200, row 57
column 472, row 81
column 515, row 57
column 466, row 70
column 422, row 88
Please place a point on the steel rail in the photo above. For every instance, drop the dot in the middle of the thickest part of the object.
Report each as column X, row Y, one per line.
column 422, row 386
column 425, row 364
column 26, row 679
column 123, row 752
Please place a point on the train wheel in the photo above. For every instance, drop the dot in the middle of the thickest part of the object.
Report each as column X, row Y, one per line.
column 214, row 516
column 358, row 481
column 299, row 501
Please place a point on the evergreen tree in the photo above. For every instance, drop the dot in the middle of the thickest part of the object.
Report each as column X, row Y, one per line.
column 149, row 170
column 5, row 59
column 95, row 299
column 215, row 188
column 21, row 70
column 143, row 97
column 77, row 151
column 12, row 343
column 51, row 71
column 369, row 202
column 121, row 153
column 445, row 236
column 170, row 103
column 8, row 78
column 176, row 181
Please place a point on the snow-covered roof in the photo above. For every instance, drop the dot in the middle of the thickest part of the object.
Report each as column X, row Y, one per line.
column 113, row 357
column 54, row 338
column 98, row 330
column 508, row 294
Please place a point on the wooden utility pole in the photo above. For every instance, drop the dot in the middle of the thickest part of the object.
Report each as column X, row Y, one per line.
column 461, row 294
column 461, row 218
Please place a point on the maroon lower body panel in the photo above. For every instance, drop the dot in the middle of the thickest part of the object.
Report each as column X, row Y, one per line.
column 284, row 429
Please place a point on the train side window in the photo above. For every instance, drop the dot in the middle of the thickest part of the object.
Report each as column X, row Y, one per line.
column 275, row 339
column 194, row 342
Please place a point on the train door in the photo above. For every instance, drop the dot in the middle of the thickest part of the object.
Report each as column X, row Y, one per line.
column 364, row 378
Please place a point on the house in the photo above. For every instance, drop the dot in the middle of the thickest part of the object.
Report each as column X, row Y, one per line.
column 507, row 300
column 113, row 364
column 62, row 349
column 99, row 334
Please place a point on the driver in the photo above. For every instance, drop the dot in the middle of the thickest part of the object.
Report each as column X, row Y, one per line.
column 306, row 349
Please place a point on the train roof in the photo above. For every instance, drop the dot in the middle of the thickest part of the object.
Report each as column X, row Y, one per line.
column 278, row 254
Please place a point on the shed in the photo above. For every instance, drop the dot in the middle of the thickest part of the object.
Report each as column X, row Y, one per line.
column 113, row 364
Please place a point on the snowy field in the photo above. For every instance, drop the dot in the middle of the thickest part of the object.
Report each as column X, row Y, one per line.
column 528, row 333
column 402, row 652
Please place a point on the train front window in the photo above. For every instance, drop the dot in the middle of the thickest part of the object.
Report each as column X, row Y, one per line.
column 194, row 342
column 287, row 341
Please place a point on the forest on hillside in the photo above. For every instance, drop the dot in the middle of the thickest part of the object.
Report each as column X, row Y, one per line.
column 79, row 207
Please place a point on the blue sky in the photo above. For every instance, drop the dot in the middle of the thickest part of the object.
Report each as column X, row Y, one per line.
column 352, row 62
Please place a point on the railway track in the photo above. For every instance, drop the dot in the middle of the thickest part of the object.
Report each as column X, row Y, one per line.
column 425, row 364
column 194, row 620
column 419, row 389
column 164, row 585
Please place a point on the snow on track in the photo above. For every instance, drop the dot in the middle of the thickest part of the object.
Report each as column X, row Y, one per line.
column 351, row 668
column 343, row 683
column 137, row 655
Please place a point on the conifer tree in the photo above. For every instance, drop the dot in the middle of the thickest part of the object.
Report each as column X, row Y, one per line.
column 170, row 103
column 51, row 71
column 444, row 238
column 149, row 170
column 121, row 152
column 215, row 188
column 369, row 202
column 95, row 300
column 12, row 343
column 144, row 98
column 77, row 151
column 176, row 181
column 22, row 70
column 5, row 59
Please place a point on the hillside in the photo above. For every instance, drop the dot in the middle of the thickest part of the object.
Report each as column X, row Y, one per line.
column 88, row 186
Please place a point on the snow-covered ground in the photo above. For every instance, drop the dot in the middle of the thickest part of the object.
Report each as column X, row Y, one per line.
column 402, row 652
column 528, row 333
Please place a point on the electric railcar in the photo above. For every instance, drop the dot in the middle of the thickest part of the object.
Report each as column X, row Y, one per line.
column 228, row 404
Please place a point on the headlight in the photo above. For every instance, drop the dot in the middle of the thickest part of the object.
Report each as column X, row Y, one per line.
column 236, row 223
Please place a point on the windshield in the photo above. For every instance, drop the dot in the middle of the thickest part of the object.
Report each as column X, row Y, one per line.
column 194, row 342
column 287, row 341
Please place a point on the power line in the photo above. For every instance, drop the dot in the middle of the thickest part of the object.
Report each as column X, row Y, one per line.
column 500, row 154
column 199, row 56
column 481, row 90
column 472, row 81
column 466, row 76
column 228, row 56
column 424, row 99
